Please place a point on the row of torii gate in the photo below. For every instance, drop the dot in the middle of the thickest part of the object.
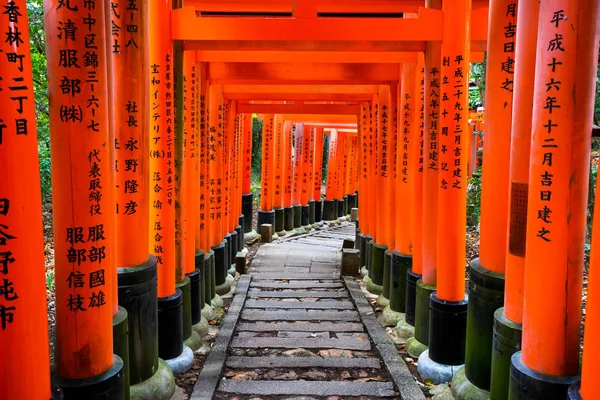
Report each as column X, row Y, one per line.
column 151, row 113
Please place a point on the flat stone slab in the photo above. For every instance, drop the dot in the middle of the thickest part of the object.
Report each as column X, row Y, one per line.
column 296, row 285
column 306, row 343
column 300, row 326
column 297, row 294
column 293, row 315
column 301, row 362
column 313, row 305
column 293, row 276
column 312, row 388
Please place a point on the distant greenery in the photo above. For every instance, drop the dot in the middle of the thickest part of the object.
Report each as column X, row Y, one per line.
column 474, row 199
column 35, row 10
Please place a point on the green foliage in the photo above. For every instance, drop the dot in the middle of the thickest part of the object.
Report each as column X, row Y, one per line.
column 597, row 102
column 35, row 11
column 474, row 199
column 477, row 86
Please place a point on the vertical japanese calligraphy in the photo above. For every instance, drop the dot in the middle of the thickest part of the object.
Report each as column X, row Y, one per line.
column 162, row 150
column 215, row 164
column 453, row 142
column 297, row 190
column 278, row 183
column 23, row 316
column 267, row 171
column 332, row 165
column 77, row 81
column 288, row 166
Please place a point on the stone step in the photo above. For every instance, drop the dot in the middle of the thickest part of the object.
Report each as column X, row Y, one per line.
column 301, row 362
column 293, row 276
column 300, row 326
column 256, row 315
column 297, row 294
column 308, row 388
column 314, row 305
column 306, row 343
column 296, row 285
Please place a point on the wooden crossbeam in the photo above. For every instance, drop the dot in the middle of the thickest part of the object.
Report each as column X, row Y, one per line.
column 300, row 92
column 290, row 73
column 311, row 109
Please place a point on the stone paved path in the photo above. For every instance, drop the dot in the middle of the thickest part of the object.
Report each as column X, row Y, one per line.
column 300, row 335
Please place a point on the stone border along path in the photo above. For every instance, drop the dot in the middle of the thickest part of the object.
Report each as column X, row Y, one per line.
column 302, row 333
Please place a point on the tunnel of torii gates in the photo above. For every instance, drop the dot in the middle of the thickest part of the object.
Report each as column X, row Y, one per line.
column 151, row 109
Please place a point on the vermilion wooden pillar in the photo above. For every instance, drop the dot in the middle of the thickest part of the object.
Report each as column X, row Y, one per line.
column 162, row 183
column 342, row 162
column 310, row 184
column 288, row 171
column 329, row 205
column 364, row 193
column 486, row 273
column 83, row 217
column 351, row 174
column 425, row 286
column 279, row 175
column 567, row 44
column 247, row 172
column 508, row 320
column 266, row 215
column 297, row 175
column 448, row 306
column 305, row 173
column 23, row 315
column 405, row 174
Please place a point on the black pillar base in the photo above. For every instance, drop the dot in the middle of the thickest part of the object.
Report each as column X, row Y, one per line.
column 106, row 386
column 411, row 296
column 422, row 317
column 362, row 247
column 196, row 290
column 352, row 201
column 377, row 255
column 138, row 295
column 507, row 341
column 304, row 216
column 345, row 206
column 288, row 218
column 339, row 207
column 369, row 253
column 219, row 262
column 209, row 276
column 297, row 216
column 527, row 384
column 401, row 263
column 447, row 330
column 387, row 271
column 247, row 211
column 186, row 307
column 121, row 345
column 240, row 230
column 279, row 220
column 318, row 210
column 233, row 247
column 311, row 212
column 486, row 295
column 356, row 193
column 265, row 217
column 227, row 261
column 329, row 210
column 170, row 325
column 574, row 393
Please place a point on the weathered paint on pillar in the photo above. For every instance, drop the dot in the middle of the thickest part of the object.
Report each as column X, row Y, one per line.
column 279, row 151
column 131, row 113
column 419, row 163
column 267, row 172
column 500, row 69
column 162, row 150
column 215, row 164
column 81, row 174
column 23, row 315
column 559, row 171
column 524, row 78
column 453, row 143
column 433, row 65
